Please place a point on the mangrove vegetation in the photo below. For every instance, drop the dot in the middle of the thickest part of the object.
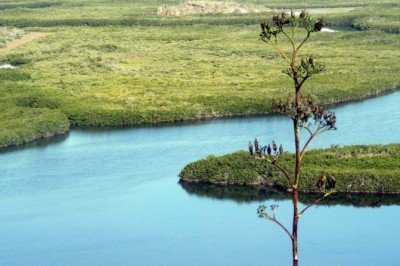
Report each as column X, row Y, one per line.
column 119, row 63
column 358, row 169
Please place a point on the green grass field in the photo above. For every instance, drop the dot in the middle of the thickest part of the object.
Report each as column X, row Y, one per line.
column 111, row 63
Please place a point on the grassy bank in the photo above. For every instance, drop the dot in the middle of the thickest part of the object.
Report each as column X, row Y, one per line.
column 22, row 125
column 176, row 68
column 358, row 169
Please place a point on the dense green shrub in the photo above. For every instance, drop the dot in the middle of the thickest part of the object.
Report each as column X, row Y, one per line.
column 37, row 101
column 15, row 59
column 14, row 75
column 29, row 124
column 32, row 5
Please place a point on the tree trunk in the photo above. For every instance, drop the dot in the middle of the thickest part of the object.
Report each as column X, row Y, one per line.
column 295, row 192
column 297, row 151
column 297, row 137
column 295, row 199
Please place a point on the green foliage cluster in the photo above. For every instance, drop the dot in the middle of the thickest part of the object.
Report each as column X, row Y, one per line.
column 14, row 75
column 15, row 58
column 28, row 5
column 21, row 125
column 358, row 169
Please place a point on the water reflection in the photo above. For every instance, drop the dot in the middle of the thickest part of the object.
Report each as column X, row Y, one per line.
column 242, row 194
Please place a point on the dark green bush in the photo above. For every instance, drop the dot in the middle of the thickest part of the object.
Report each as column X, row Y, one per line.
column 16, row 59
column 32, row 5
column 20, row 125
column 14, row 75
column 37, row 101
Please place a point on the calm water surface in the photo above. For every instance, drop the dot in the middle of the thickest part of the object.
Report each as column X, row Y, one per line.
column 111, row 197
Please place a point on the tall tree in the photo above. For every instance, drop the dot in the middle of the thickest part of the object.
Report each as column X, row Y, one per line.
column 304, row 112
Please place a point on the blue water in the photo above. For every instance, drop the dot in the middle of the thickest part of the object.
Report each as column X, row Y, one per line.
column 111, row 197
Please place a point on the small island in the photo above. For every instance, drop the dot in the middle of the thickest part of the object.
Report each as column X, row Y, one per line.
column 357, row 169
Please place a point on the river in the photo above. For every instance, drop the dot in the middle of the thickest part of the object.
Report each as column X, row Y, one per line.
column 112, row 197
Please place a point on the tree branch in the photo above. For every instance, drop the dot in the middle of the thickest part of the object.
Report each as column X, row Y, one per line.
column 312, row 136
column 309, row 131
column 278, row 50
column 281, row 168
column 279, row 224
column 316, row 202
column 304, row 41
column 304, row 79
column 290, row 39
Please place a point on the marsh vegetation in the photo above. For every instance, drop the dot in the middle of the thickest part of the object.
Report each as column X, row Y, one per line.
column 174, row 69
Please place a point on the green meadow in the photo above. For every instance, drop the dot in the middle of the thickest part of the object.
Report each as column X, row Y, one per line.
column 118, row 63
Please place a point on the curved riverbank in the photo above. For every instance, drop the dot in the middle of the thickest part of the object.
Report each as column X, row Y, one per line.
column 45, row 123
column 358, row 169
column 26, row 125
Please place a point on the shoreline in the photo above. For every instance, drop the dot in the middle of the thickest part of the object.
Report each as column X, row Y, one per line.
column 281, row 189
column 49, row 136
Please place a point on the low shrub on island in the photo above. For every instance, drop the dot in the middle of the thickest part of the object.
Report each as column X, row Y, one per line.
column 358, row 169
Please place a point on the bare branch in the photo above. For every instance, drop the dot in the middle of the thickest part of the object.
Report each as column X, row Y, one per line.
column 304, row 41
column 316, row 201
column 278, row 50
column 309, row 131
column 282, row 226
column 273, row 219
column 312, row 136
column 304, row 79
column 281, row 168
column 290, row 39
column 294, row 29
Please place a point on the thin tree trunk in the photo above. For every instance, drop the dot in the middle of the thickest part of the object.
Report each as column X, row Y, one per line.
column 295, row 192
column 297, row 135
column 295, row 196
column 297, row 151
column 295, row 199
